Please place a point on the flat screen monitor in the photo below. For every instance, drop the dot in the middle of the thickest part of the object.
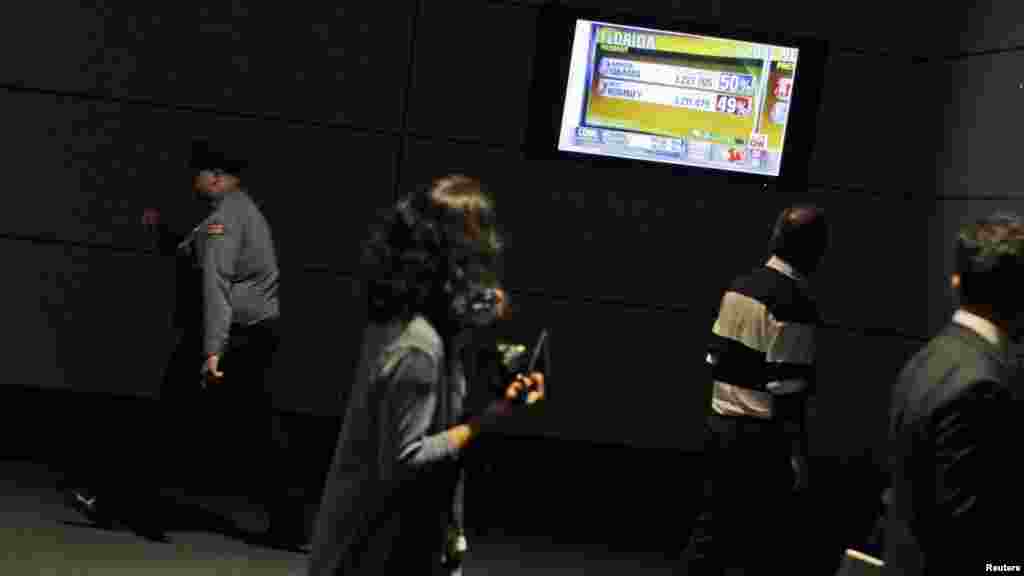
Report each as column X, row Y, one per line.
column 671, row 96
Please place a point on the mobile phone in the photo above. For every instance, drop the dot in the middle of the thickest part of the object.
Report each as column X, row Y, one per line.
column 541, row 340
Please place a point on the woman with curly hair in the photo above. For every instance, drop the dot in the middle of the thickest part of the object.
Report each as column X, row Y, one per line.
column 390, row 491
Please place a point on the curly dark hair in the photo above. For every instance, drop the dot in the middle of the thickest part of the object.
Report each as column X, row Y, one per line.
column 990, row 261
column 430, row 244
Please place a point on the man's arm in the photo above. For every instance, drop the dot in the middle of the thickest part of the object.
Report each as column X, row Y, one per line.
column 221, row 237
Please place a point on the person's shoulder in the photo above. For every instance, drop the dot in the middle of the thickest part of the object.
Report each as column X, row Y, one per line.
column 781, row 295
column 415, row 363
column 248, row 208
column 238, row 202
column 953, row 376
column 234, row 211
column 746, row 293
column 408, row 361
column 421, row 334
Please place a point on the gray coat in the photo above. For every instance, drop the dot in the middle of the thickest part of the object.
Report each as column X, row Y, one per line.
column 391, row 486
column 235, row 251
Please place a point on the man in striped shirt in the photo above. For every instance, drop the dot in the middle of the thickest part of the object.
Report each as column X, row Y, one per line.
column 762, row 365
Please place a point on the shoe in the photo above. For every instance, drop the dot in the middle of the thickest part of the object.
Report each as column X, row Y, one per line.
column 87, row 505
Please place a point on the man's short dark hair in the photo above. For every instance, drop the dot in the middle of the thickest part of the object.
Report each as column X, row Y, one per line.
column 990, row 260
column 800, row 236
column 430, row 243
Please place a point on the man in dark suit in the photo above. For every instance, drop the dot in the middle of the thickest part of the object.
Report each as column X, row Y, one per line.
column 952, row 422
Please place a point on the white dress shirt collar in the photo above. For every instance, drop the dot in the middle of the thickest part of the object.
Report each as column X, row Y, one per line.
column 984, row 328
column 784, row 268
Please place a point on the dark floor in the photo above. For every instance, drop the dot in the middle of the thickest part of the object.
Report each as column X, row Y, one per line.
column 534, row 507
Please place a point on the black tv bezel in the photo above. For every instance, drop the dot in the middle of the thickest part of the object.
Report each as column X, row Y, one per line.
column 555, row 33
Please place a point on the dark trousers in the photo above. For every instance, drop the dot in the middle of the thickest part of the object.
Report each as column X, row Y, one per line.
column 246, row 436
column 225, row 439
column 742, row 524
column 181, row 423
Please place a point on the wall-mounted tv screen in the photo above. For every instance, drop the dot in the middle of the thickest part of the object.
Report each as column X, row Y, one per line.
column 678, row 98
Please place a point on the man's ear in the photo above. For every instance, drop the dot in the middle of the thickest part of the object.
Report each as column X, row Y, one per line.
column 954, row 281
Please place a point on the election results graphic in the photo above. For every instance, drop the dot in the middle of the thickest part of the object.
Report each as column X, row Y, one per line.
column 677, row 98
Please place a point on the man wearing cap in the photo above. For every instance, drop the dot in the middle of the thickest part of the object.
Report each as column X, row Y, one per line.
column 241, row 309
column 231, row 319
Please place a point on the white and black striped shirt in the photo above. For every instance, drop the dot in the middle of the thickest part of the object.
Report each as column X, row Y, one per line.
column 763, row 341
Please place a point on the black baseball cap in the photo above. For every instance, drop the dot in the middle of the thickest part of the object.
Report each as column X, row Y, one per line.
column 208, row 156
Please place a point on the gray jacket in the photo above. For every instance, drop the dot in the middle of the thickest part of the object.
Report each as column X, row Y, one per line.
column 390, row 490
column 235, row 251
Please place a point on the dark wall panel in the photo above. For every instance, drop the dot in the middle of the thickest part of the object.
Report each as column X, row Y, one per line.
column 86, row 319
column 675, row 9
column 871, row 26
column 472, row 67
column 83, row 171
column 30, row 30
column 325, row 62
column 34, row 310
column 322, row 320
column 854, row 26
column 869, row 135
column 875, row 273
column 989, row 25
column 855, row 378
column 979, row 151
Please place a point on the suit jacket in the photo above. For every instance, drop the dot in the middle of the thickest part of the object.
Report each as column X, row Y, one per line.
column 953, row 440
column 390, row 489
